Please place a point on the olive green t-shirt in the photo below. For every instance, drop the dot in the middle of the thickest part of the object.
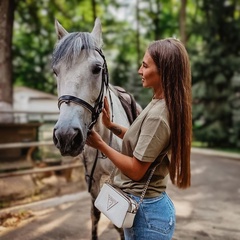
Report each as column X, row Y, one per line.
column 148, row 140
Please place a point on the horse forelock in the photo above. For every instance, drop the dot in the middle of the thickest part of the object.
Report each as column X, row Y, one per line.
column 69, row 48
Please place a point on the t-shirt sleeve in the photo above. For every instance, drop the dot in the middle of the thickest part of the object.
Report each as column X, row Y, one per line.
column 153, row 139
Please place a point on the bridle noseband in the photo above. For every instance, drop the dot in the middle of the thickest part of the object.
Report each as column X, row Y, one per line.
column 97, row 109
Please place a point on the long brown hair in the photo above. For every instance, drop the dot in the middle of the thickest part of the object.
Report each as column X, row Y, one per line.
column 171, row 59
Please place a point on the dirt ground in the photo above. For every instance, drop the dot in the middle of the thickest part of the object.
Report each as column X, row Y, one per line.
column 209, row 210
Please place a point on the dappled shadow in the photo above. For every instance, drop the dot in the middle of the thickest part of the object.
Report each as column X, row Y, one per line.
column 68, row 221
column 207, row 210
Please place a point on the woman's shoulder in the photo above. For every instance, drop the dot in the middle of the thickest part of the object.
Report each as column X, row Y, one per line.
column 159, row 109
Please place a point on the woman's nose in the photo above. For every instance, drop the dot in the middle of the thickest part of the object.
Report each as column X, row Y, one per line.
column 140, row 71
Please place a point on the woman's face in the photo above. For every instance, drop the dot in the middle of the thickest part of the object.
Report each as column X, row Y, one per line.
column 149, row 73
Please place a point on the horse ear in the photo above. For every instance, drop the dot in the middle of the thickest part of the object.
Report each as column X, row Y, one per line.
column 97, row 32
column 61, row 32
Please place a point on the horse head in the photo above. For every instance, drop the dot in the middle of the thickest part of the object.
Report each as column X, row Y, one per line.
column 81, row 73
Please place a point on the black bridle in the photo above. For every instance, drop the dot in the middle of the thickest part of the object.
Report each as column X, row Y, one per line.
column 98, row 106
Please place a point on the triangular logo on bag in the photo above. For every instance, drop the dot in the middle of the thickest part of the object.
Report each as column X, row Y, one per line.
column 111, row 202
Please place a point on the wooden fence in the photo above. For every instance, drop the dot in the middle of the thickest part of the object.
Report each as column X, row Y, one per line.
column 31, row 146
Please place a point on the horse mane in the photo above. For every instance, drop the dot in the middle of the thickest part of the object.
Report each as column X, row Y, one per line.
column 70, row 46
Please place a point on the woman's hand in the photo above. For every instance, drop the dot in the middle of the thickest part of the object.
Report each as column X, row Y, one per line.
column 106, row 114
column 130, row 166
column 94, row 139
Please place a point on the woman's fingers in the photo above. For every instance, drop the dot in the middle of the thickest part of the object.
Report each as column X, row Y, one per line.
column 106, row 105
column 106, row 114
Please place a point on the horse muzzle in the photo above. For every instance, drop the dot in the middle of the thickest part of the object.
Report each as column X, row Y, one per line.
column 69, row 141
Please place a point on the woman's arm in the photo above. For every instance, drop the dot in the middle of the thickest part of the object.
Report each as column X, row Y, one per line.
column 129, row 166
column 118, row 130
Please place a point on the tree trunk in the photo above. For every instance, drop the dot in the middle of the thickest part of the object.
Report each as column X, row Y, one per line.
column 137, row 34
column 155, row 8
column 94, row 10
column 6, row 29
column 183, row 21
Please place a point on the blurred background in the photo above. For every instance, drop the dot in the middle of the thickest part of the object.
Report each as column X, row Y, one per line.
column 210, row 30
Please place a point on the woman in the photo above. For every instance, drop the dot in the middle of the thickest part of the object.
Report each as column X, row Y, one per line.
column 160, row 135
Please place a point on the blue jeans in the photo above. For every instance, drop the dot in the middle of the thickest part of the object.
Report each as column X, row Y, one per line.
column 155, row 219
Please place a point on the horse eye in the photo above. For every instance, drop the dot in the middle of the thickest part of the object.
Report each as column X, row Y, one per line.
column 96, row 69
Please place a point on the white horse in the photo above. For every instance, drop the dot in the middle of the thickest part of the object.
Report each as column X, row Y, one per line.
column 82, row 83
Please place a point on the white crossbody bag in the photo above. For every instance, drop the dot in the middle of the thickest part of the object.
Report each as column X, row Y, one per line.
column 117, row 206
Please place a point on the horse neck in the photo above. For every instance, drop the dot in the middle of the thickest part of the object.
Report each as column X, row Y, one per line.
column 114, row 104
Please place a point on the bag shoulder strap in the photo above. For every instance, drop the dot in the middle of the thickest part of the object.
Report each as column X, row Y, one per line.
column 146, row 184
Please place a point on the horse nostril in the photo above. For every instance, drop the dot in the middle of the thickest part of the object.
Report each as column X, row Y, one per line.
column 78, row 138
column 55, row 139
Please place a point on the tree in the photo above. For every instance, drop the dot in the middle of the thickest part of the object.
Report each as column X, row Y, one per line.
column 182, row 21
column 216, row 74
column 6, row 27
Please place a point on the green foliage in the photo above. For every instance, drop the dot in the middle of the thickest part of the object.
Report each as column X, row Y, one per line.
column 32, row 43
column 159, row 18
column 34, row 35
column 214, row 68
column 34, row 38
column 213, row 43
